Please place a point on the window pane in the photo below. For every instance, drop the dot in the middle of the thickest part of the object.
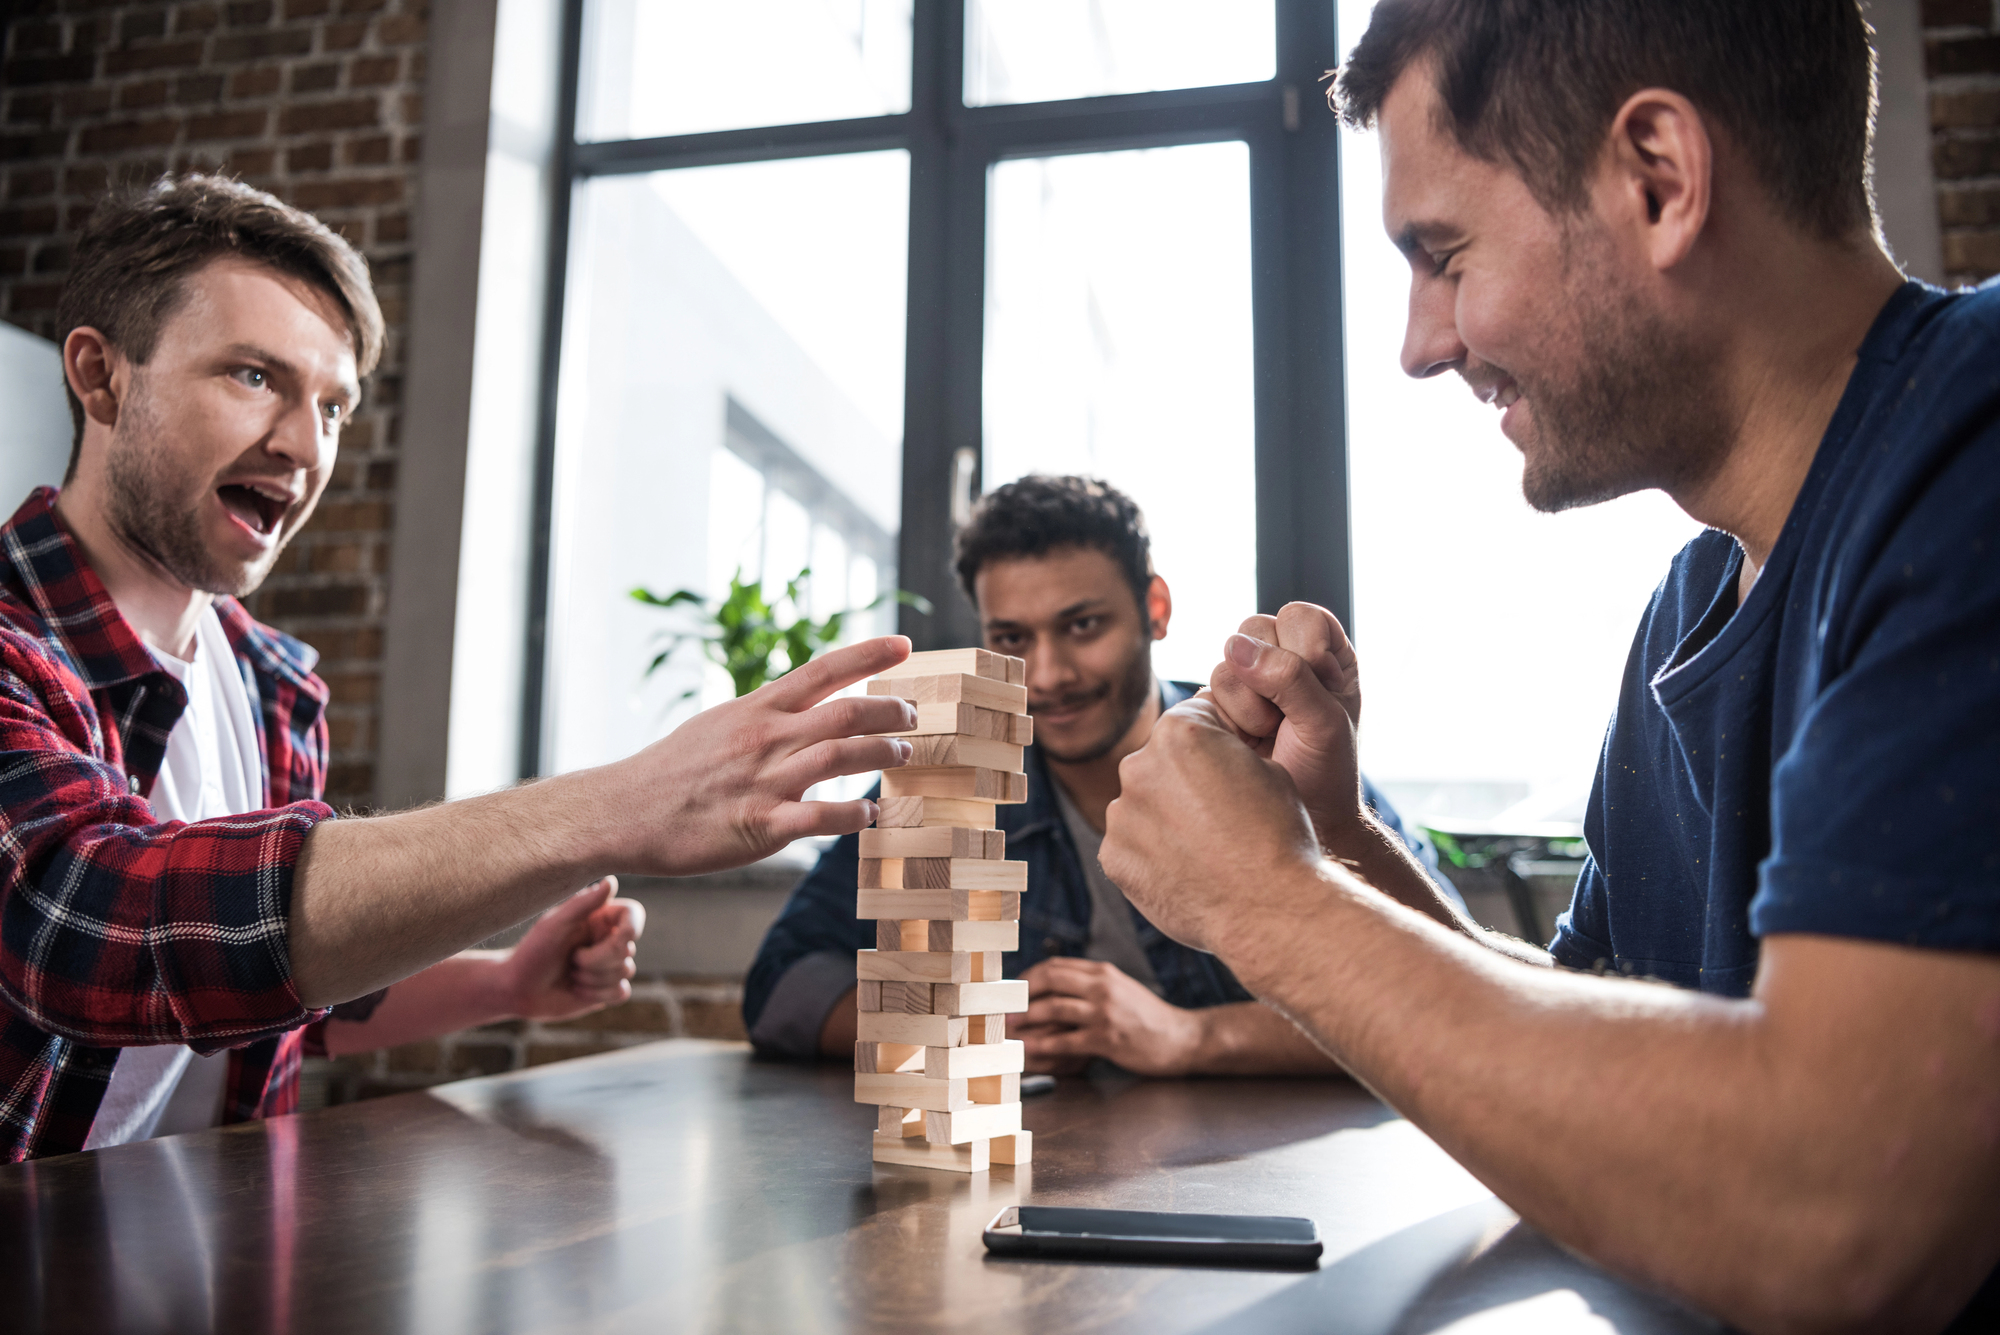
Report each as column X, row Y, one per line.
column 1492, row 638
column 731, row 402
column 1047, row 50
column 660, row 67
column 1118, row 345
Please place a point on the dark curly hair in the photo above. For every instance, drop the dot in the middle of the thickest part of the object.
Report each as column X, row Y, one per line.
column 1038, row 514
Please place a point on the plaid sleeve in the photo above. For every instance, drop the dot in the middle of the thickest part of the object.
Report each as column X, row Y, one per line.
column 116, row 930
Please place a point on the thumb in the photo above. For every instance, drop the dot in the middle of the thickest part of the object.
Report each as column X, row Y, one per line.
column 1282, row 677
column 582, row 904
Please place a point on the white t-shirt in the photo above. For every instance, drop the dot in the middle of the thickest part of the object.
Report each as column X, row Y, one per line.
column 212, row 768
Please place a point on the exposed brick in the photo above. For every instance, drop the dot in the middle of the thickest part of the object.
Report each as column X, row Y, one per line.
column 329, row 601
column 355, row 113
column 1961, row 55
column 31, row 108
column 704, row 1018
column 36, row 38
column 541, row 1054
column 350, row 779
column 351, row 517
column 354, row 688
column 32, row 220
column 368, row 71
column 340, row 194
column 1976, row 253
column 370, row 152
column 232, row 47
column 33, row 296
column 392, row 227
column 343, row 36
column 361, row 6
column 309, row 158
column 166, row 56
column 75, row 103
column 143, row 94
column 13, row 261
column 120, row 136
column 196, row 18
column 247, row 13
column 1955, row 13
column 193, row 88
column 401, row 29
column 85, row 179
column 33, row 70
column 252, row 162
column 1959, row 157
column 315, row 78
column 307, row 9
column 258, row 82
column 634, row 1017
column 228, row 125
column 138, row 23
column 31, row 183
column 1965, row 108
column 1969, row 206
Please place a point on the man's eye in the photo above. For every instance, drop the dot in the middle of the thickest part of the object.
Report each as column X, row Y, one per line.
column 1441, row 263
column 251, row 378
column 333, row 411
column 1085, row 625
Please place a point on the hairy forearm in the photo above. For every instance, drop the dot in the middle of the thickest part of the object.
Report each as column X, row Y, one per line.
column 1249, row 1038
column 466, row 990
column 1689, row 1142
column 374, row 900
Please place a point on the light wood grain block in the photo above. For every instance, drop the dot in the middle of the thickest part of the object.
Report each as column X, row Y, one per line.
column 985, row 966
column 972, row 1157
column 934, row 841
column 969, row 936
column 897, row 813
column 962, row 718
column 902, row 934
column 955, row 688
column 899, row 1121
column 942, row 874
column 932, row 1031
column 906, row 1090
column 933, row 905
column 1018, row 1148
column 902, row 996
column 976, row 662
column 867, row 996
column 1005, row 1058
column 1006, row 996
column 1004, row 1088
column 987, row 785
column 985, row 1029
column 871, row 1058
column 966, row 751
column 981, row 1123
column 915, row 966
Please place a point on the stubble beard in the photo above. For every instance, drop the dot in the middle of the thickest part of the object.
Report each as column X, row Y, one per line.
column 1643, row 409
column 156, row 508
column 1129, row 693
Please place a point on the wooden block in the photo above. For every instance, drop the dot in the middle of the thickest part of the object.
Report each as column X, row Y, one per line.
column 954, row 688
column 984, row 966
column 915, row 966
column 986, row 785
column 971, row 1063
column 1018, row 1148
column 899, row 1121
column 971, row 936
column 978, row 662
column 966, row 751
column 932, row 1031
column 981, row 1123
column 889, row 935
column 1003, row 1088
column 906, row 1090
column 897, row 813
column 985, row 1029
column 902, row 996
column 882, row 1057
column 932, row 905
column 971, row 1157
column 942, row 874
column 867, row 996
column 962, row 718
column 934, row 841
column 980, row 998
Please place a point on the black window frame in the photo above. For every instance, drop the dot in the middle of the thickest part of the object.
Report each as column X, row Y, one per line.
column 1302, row 520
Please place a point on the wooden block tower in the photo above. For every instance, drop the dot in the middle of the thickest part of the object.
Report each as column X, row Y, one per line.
column 933, row 1053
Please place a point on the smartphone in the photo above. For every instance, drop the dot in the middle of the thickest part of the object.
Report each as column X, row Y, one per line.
column 1141, row 1235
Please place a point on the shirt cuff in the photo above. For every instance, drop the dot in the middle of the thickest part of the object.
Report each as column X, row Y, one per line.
column 800, row 1003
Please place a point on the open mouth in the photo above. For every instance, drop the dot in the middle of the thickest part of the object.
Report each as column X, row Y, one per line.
column 256, row 509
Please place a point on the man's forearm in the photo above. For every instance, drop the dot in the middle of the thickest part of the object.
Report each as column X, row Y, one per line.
column 1375, row 853
column 1249, row 1038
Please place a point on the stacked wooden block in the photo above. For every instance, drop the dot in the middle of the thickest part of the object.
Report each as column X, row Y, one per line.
column 933, row 1052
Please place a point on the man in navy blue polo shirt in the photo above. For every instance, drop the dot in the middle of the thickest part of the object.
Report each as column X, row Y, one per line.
column 1059, row 570
column 1641, row 229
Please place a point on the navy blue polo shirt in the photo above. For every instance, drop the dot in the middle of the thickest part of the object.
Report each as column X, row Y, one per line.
column 1824, row 758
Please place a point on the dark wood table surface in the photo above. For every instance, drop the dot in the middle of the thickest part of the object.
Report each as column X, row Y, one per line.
column 685, row 1186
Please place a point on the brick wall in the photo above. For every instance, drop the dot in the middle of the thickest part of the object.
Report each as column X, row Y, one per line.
column 318, row 101
column 1962, row 59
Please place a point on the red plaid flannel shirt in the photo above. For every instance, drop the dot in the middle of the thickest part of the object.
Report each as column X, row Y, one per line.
column 116, row 929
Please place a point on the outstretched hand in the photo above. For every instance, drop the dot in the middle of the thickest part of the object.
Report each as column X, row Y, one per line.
column 577, row 958
column 727, row 787
column 1290, row 685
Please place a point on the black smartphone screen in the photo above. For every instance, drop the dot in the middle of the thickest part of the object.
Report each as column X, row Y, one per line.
column 1142, row 1235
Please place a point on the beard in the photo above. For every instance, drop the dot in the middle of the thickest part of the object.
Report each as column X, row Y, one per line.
column 1128, row 692
column 155, row 506
column 1640, row 411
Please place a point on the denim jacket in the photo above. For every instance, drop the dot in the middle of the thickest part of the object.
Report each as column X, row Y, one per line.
column 807, row 959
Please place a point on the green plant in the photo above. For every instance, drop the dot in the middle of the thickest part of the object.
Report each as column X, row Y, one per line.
column 741, row 632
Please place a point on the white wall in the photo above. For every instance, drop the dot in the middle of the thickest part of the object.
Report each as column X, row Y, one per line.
column 34, row 416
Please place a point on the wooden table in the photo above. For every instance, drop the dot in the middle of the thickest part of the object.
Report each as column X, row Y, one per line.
column 684, row 1186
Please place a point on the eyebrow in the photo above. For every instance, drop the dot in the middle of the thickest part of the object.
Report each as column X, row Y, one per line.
column 1074, row 609
column 350, row 390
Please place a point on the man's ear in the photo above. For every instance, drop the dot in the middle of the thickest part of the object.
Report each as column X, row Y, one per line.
column 1661, row 173
column 91, row 365
column 1159, row 606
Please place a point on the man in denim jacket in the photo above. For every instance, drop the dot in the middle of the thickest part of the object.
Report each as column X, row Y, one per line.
column 1060, row 572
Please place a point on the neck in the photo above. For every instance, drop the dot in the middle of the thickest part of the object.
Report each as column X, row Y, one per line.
column 1093, row 784
column 1790, row 349
column 160, row 609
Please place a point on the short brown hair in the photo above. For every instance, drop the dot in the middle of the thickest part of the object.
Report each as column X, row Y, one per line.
column 127, row 276
column 1536, row 83
column 1037, row 514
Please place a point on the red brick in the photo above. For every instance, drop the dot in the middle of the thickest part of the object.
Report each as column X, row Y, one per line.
column 382, row 475
column 1957, row 13
column 1976, row 253
column 1969, row 206
column 192, row 88
column 196, row 18
column 120, row 136
column 145, row 94
column 370, row 152
column 412, row 147
column 333, row 601
column 228, row 125
column 52, row 258
column 350, row 778
column 392, row 227
column 400, row 29
column 33, row 296
column 343, row 36
column 315, row 78
column 21, row 73
column 166, row 56
column 75, row 103
column 348, row 194
column 362, row 6
column 13, row 261
column 37, row 39
column 354, row 688
column 354, row 114
column 1961, row 55
column 712, row 1019
column 34, row 220
column 236, row 46
column 349, row 734
column 1969, row 109
column 541, row 1054
column 307, row 9
column 309, row 158
column 258, row 82
column 247, row 13
column 252, row 162
column 86, row 178
column 1957, row 158
column 139, row 23
column 352, row 517
column 30, row 183
column 30, row 108
column 369, row 71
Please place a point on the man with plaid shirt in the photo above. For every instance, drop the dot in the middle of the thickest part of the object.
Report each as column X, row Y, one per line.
column 181, row 918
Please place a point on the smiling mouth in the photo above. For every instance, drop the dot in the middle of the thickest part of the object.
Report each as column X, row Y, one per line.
column 258, row 510
column 1069, row 705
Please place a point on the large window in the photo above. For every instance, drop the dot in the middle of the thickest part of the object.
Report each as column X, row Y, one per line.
column 823, row 270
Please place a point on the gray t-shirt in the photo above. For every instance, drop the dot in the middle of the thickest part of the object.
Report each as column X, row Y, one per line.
column 1113, row 936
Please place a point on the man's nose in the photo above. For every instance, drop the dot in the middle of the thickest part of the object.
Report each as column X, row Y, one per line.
column 303, row 438
column 1431, row 345
column 1049, row 668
